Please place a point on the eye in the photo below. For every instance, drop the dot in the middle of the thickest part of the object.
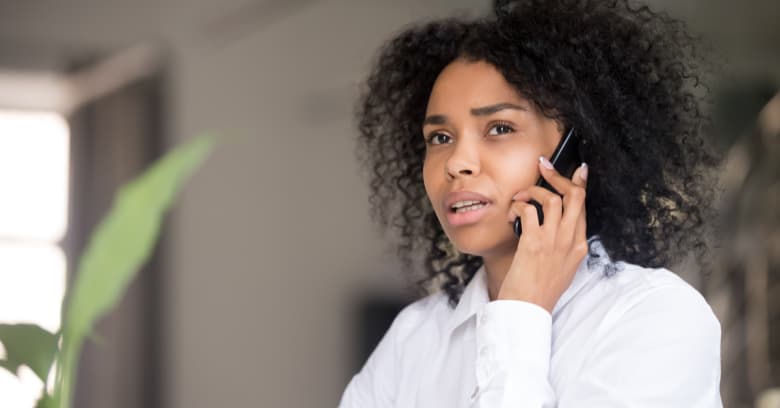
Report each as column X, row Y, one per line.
column 438, row 138
column 500, row 129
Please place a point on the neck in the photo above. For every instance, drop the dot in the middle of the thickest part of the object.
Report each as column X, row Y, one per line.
column 497, row 265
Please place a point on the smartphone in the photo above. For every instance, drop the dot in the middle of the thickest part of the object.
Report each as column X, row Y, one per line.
column 566, row 158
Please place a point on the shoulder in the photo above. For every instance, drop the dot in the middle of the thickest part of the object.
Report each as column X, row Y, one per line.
column 419, row 317
column 658, row 298
column 641, row 285
column 641, row 332
column 619, row 290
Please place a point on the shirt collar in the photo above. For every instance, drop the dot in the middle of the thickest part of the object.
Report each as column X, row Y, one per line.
column 475, row 295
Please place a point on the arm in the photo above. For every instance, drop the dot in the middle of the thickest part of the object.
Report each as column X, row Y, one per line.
column 664, row 351
column 513, row 356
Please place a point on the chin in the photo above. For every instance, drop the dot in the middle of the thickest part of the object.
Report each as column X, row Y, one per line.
column 477, row 241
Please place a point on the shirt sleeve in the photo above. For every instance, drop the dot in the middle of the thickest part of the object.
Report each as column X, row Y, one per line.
column 374, row 386
column 513, row 356
column 663, row 351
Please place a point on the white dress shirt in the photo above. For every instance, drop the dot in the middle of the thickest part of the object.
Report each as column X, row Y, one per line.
column 638, row 337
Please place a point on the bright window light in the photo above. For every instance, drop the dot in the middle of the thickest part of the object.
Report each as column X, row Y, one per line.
column 32, row 283
column 19, row 392
column 34, row 178
column 33, row 175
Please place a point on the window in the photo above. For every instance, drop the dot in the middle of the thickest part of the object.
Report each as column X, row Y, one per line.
column 34, row 180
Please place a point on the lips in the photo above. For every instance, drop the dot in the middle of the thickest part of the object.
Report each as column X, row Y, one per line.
column 451, row 198
column 472, row 207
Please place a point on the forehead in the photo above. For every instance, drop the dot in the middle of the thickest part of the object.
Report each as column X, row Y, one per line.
column 463, row 85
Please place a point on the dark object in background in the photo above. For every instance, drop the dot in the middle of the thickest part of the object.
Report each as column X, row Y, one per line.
column 113, row 138
column 744, row 286
column 736, row 108
column 375, row 315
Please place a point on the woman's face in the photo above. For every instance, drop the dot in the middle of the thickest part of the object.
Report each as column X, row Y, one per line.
column 483, row 146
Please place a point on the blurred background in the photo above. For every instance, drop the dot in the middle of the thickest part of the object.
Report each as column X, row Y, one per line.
column 270, row 284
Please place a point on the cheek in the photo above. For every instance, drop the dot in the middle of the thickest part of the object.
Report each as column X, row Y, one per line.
column 435, row 183
column 515, row 169
column 430, row 179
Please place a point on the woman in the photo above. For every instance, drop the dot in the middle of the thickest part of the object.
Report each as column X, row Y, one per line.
column 457, row 123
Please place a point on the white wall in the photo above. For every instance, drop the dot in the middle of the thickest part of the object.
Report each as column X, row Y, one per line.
column 272, row 238
column 271, row 241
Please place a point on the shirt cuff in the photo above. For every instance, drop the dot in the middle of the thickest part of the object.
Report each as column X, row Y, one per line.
column 512, row 335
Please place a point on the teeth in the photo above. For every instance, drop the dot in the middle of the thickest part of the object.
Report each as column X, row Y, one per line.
column 466, row 203
column 470, row 207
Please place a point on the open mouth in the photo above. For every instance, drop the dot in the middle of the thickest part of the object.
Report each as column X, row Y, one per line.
column 467, row 205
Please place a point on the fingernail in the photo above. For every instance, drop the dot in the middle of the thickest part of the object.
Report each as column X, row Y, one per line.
column 584, row 171
column 546, row 163
column 519, row 196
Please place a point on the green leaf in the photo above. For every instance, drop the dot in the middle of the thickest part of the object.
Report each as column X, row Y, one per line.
column 125, row 238
column 9, row 366
column 46, row 401
column 30, row 345
column 118, row 248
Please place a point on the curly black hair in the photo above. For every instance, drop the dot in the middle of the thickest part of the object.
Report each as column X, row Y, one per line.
column 630, row 79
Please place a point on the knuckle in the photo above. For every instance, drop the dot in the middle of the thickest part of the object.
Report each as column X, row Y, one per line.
column 554, row 200
column 528, row 210
column 580, row 248
column 577, row 194
column 517, row 209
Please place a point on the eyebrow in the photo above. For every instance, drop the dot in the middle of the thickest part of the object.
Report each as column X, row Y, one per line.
column 483, row 111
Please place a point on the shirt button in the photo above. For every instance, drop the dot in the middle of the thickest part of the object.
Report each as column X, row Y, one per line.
column 483, row 371
column 484, row 351
column 482, row 320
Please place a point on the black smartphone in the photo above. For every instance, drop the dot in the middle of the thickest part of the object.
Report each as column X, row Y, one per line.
column 566, row 158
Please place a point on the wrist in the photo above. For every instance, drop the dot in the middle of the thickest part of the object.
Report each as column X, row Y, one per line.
column 525, row 297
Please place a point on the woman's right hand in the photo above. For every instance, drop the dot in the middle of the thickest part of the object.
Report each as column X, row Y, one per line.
column 547, row 256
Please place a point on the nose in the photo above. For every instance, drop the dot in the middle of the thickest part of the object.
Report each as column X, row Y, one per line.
column 464, row 161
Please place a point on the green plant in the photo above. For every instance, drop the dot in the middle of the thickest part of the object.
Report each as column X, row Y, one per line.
column 117, row 248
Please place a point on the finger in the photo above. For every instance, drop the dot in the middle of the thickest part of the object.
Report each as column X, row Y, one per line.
column 529, row 219
column 580, row 176
column 515, row 210
column 573, row 207
column 552, row 206
column 576, row 196
column 516, row 207
column 555, row 179
column 580, row 232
